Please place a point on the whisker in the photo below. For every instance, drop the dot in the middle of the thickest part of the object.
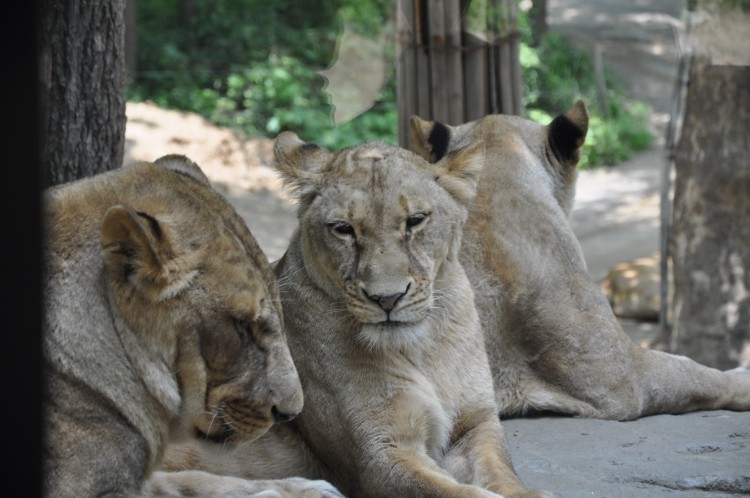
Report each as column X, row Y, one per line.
column 215, row 414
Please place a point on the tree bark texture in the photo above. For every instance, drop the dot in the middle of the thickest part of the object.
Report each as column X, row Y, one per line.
column 710, row 237
column 82, row 73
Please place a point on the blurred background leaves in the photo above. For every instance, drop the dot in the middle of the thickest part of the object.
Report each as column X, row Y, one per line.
column 263, row 67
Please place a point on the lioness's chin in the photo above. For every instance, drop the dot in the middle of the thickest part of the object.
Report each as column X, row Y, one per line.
column 225, row 435
column 393, row 336
column 228, row 436
column 221, row 432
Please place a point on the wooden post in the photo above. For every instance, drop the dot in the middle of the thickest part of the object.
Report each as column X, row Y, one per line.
column 515, row 60
column 438, row 56
column 454, row 63
column 476, row 77
column 601, row 86
column 454, row 71
column 421, row 52
column 500, row 33
column 406, row 70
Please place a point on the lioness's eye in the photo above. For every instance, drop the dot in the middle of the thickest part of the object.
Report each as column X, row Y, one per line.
column 341, row 228
column 416, row 220
column 244, row 329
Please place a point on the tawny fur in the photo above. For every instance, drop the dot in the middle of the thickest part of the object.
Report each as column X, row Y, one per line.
column 552, row 339
column 383, row 330
column 162, row 322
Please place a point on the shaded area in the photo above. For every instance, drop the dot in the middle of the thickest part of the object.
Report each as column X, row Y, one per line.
column 637, row 37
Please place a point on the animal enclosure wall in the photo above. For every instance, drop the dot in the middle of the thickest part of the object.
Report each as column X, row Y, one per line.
column 458, row 60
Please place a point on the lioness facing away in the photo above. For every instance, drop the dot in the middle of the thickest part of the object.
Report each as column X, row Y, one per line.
column 382, row 327
column 551, row 335
column 162, row 321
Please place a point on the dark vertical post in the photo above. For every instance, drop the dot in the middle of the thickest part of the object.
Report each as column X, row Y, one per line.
column 456, row 66
column 454, row 63
column 406, row 68
column 438, row 66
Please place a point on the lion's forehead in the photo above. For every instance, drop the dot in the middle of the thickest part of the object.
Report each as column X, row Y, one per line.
column 231, row 270
column 358, row 203
column 372, row 164
column 377, row 178
column 250, row 301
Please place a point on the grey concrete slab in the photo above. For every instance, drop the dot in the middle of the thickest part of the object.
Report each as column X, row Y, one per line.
column 701, row 454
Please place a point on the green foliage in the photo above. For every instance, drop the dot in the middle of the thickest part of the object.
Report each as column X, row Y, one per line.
column 252, row 65
column 614, row 140
column 379, row 123
column 721, row 5
column 555, row 75
column 610, row 141
column 189, row 51
column 271, row 95
column 369, row 16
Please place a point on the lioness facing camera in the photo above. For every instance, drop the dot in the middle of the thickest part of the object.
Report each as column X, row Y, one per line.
column 382, row 327
column 162, row 321
column 551, row 336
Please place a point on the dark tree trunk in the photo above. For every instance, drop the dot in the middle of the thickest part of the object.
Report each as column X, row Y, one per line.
column 82, row 72
column 710, row 237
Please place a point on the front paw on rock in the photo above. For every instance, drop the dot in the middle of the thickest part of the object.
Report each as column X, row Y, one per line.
column 316, row 489
column 532, row 493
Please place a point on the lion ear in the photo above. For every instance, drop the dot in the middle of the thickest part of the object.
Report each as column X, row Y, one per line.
column 429, row 139
column 181, row 164
column 459, row 172
column 134, row 249
column 299, row 163
column 566, row 134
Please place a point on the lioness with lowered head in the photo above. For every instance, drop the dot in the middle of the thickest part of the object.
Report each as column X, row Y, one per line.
column 382, row 326
column 162, row 322
column 552, row 338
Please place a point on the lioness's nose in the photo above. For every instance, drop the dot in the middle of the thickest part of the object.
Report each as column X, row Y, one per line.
column 387, row 302
column 279, row 416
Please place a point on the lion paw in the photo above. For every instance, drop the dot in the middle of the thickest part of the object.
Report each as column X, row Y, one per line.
column 305, row 488
column 532, row 493
column 199, row 483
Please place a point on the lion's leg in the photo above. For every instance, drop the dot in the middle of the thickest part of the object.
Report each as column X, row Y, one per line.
column 636, row 382
column 641, row 382
column 480, row 456
column 676, row 384
column 582, row 352
column 409, row 471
